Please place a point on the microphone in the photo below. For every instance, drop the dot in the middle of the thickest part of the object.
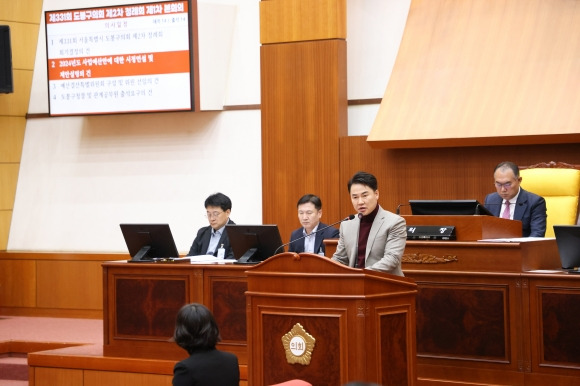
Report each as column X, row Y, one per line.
column 398, row 211
column 318, row 230
column 481, row 209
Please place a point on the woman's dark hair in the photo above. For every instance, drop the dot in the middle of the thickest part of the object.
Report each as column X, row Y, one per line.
column 195, row 328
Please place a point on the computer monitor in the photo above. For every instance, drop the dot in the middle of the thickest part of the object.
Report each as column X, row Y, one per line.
column 252, row 244
column 568, row 242
column 148, row 241
column 448, row 207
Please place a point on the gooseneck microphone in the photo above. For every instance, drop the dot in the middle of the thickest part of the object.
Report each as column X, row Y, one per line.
column 398, row 211
column 313, row 233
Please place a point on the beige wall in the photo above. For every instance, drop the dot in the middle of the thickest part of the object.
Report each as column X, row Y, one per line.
column 23, row 17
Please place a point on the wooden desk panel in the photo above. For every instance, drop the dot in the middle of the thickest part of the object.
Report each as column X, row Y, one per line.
column 479, row 256
column 469, row 327
column 485, row 320
column 141, row 302
column 475, row 256
column 554, row 316
column 471, row 228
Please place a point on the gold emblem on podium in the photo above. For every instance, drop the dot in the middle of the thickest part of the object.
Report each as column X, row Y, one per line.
column 298, row 345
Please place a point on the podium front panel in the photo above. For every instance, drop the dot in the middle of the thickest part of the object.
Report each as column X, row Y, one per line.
column 324, row 325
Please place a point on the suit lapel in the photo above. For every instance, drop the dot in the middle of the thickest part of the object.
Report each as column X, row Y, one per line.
column 318, row 241
column 377, row 224
column 205, row 240
column 521, row 205
column 354, row 235
column 496, row 205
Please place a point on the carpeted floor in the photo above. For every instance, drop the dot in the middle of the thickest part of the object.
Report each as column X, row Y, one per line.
column 40, row 329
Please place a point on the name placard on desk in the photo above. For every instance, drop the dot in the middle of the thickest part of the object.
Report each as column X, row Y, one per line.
column 430, row 232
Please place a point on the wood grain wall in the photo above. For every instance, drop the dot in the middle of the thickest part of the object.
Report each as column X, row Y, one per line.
column 23, row 17
column 53, row 284
column 304, row 106
column 437, row 173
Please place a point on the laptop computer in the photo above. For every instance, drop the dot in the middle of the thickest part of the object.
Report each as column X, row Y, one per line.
column 568, row 241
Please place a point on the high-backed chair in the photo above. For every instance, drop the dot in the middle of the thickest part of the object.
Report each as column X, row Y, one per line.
column 559, row 184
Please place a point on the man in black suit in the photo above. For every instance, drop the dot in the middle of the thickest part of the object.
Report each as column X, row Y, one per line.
column 309, row 214
column 527, row 207
column 209, row 239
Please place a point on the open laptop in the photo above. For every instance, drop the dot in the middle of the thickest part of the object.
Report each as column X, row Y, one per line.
column 568, row 241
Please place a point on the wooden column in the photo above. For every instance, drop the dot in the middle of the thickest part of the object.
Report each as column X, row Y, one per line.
column 304, row 105
column 24, row 21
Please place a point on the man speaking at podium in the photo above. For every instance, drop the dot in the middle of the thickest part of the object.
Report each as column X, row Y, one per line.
column 376, row 238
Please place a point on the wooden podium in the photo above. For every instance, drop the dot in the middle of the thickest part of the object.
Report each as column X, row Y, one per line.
column 313, row 319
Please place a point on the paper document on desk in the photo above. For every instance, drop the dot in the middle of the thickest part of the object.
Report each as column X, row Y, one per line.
column 516, row 239
column 209, row 259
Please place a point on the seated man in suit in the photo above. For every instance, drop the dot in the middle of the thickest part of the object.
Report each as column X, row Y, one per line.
column 515, row 203
column 209, row 239
column 376, row 238
column 309, row 214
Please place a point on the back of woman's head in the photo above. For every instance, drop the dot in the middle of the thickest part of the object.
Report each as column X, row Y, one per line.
column 195, row 328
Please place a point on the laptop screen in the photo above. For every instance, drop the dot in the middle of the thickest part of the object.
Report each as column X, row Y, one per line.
column 568, row 241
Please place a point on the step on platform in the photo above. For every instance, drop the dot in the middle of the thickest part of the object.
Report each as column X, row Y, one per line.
column 13, row 366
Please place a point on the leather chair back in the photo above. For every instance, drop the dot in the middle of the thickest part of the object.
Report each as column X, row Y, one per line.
column 559, row 184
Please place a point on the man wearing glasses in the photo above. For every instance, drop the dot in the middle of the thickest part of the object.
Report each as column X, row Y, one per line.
column 309, row 214
column 514, row 203
column 209, row 239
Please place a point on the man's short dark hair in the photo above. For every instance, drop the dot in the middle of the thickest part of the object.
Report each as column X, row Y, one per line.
column 196, row 328
column 508, row 165
column 219, row 199
column 364, row 178
column 315, row 200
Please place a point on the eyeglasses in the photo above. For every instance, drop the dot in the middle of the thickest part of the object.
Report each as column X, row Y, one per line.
column 213, row 214
column 507, row 185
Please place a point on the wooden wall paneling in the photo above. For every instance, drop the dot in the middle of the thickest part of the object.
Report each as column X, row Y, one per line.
column 42, row 376
column 21, row 11
column 8, row 180
column 5, row 220
column 23, row 17
column 437, row 173
column 17, row 283
column 111, row 378
column 11, row 138
column 303, row 113
column 69, row 284
column 301, row 20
